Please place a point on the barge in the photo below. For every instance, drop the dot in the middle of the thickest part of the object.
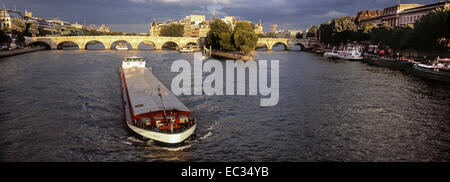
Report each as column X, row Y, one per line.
column 438, row 71
column 151, row 110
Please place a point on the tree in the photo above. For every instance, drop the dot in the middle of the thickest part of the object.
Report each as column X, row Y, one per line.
column 173, row 30
column 343, row 24
column 380, row 35
column 326, row 33
column 225, row 41
column 219, row 31
column 18, row 25
column 400, row 38
column 245, row 38
column 33, row 29
column 4, row 38
column 262, row 36
column 299, row 35
column 431, row 32
column 312, row 31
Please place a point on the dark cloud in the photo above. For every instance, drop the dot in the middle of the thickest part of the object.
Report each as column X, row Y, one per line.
column 135, row 15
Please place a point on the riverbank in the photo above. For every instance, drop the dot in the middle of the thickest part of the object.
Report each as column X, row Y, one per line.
column 19, row 51
column 231, row 55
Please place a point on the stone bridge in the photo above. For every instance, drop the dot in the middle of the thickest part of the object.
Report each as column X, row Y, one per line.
column 288, row 43
column 57, row 42
column 108, row 41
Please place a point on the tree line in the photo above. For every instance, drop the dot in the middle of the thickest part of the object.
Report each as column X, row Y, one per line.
column 431, row 33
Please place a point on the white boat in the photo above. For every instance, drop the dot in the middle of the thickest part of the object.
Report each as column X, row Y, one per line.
column 350, row 53
column 330, row 54
column 151, row 110
column 186, row 50
column 438, row 71
column 121, row 46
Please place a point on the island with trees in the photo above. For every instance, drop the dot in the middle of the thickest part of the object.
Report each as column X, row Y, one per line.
column 237, row 43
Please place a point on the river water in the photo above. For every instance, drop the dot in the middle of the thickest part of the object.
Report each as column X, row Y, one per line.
column 65, row 105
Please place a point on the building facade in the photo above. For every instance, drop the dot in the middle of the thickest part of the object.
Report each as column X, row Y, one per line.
column 259, row 28
column 361, row 16
column 274, row 28
column 403, row 14
column 5, row 18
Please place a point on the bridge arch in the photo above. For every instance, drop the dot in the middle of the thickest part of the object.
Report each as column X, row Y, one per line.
column 94, row 45
column 40, row 44
column 276, row 46
column 170, row 45
column 191, row 44
column 262, row 46
column 301, row 46
column 116, row 42
column 147, row 45
column 67, row 44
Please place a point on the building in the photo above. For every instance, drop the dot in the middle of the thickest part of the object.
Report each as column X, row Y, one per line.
column 76, row 25
column 367, row 14
column 259, row 28
column 58, row 21
column 197, row 25
column 5, row 18
column 28, row 14
column 391, row 14
column 410, row 16
column 403, row 14
column 104, row 28
column 293, row 33
column 192, row 25
column 274, row 28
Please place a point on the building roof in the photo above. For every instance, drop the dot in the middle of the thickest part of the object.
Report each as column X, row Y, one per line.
column 143, row 91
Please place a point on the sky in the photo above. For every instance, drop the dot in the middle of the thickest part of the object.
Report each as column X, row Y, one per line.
column 136, row 15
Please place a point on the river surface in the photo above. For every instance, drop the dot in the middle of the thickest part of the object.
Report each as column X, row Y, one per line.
column 65, row 105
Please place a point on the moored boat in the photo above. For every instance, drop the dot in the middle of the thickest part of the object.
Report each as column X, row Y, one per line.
column 350, row 53
column 186, row 50
column 401, row 63
column 151, row 110
column 438, row 71
column 330, row 54
column 121, row 46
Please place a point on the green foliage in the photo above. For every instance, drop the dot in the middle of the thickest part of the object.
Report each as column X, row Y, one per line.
column 245, row 38
column 340, row 30
column 299, row 35
column 312, row 31
column 4, row 38
column 225, row 41
column 343, row 24
column 173, row 30
column 213, row 38
column 380, row 35
column 432, row 29
column 326, row 32
column 32, row 29
column 261, row 36
column 242, row 38
column 400, row 38
column 18, row 25
column 367, row 27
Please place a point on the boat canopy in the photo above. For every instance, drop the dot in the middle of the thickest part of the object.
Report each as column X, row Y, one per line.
column 144, row 88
